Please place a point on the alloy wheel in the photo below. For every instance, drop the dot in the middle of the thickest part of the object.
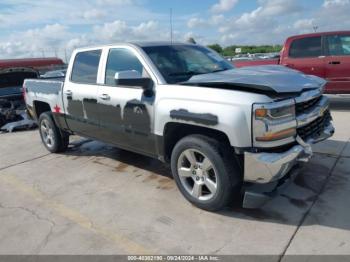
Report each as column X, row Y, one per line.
column 197, row 174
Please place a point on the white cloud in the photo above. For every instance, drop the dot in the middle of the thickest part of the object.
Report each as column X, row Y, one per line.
column 196, row 22
column 121, row 31
column 93, row 14
column 217, row 19
column 61, row 25
column 330, row 3
column 35, row 42
column 262, row 25
column 279, row 7
column 223, row 6
column 114, row 2
column 304, row 24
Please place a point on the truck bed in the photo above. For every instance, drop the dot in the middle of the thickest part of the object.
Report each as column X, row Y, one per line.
column 51, row 86
column 48, row 91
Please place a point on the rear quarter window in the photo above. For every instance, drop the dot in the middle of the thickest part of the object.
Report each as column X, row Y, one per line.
column 338, row 45
column 306, row 47
column 85, row 67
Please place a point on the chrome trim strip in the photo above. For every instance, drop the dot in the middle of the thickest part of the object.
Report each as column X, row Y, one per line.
column 317, row 111
column 308, row 95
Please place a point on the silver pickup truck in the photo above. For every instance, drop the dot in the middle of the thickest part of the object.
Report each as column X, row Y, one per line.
column 227, row 133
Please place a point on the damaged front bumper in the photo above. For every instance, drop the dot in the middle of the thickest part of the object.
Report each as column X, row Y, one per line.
column 265, row 174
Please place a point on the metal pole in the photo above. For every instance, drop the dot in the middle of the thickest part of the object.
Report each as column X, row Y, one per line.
column 171, row 25
column 65, row 54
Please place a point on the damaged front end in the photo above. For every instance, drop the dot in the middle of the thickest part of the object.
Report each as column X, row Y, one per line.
column 12, row 105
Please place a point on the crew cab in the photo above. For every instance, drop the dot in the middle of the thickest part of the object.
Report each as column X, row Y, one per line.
column 226, row 132
column 326, row 55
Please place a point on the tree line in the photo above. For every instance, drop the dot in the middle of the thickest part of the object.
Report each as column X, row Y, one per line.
column 251, row 49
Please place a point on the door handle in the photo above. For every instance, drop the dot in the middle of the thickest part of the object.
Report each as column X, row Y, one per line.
column 68, row 93
column 105, row 97
column 334, row 63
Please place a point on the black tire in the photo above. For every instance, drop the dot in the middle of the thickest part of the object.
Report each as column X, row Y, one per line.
column 228, row 175
column 59, row 140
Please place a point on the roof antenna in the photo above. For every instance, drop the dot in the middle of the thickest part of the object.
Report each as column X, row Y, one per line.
column 171, row 25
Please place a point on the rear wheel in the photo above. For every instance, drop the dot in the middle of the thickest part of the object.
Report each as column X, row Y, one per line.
column 54, row 140
column 205, row 173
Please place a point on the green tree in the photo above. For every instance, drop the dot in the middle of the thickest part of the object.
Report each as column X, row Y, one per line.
column 216, row 47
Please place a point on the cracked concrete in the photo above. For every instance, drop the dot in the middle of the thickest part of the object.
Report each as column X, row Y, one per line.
column 96, row 199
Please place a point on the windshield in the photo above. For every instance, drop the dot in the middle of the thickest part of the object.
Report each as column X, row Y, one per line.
column 178, row 63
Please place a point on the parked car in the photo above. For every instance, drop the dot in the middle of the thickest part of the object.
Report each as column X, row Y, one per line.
column 326, row 55
column 12, row 75
column 225, row 131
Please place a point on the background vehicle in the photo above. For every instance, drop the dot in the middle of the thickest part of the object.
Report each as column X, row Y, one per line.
column 12, row 75
column 326, row 55
column 54, row 74
column 12, row 106
column 187, row 105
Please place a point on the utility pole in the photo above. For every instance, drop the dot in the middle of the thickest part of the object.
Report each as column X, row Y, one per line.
column 171, row 25
column 315, row 27
column 65, row 54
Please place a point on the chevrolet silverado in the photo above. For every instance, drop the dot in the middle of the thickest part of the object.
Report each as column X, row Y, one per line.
column 226, row 132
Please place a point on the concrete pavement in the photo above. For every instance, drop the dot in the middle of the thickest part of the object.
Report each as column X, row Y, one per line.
column 96, row 199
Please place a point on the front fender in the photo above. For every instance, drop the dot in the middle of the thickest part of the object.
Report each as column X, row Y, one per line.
column 232, row 120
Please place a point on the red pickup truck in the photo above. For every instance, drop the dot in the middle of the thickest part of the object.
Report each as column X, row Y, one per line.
column 326, row 55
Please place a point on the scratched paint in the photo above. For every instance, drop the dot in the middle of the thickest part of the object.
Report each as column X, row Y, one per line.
column 200, row 118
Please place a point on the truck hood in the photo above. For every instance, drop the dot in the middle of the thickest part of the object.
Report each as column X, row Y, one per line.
column 11, row 80
column 272, row 80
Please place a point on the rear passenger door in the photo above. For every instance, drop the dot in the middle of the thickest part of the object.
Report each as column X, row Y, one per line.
column 338, row 63
column 80, row 94
column 126, row 114
column 307, row 55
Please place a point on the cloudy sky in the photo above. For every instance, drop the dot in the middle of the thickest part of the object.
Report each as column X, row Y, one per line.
column 30, row 28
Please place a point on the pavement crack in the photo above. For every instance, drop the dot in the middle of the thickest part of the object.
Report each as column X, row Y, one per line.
column 301, row 222
column 216, row 251
column 25, row 161
column 38, row 217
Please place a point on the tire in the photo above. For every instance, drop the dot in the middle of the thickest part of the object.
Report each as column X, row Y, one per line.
column 54, row 140
column 206, row 172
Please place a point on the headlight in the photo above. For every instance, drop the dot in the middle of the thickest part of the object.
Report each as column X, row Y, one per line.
column 274, row 123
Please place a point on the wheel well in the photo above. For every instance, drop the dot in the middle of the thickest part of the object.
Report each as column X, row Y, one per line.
column 173, row 132
column 41, row 107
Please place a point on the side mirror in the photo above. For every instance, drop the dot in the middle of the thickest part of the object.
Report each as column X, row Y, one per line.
column 128, row 74
column 135, row 79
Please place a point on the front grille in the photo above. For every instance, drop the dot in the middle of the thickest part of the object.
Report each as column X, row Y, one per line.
column 303, row 106
column 315, row 127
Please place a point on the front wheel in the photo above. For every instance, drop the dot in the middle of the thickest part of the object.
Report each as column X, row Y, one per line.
column 204, row 172
column 52, row 138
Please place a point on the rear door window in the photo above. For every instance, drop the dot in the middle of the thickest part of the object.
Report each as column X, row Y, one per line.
column 85, row 67
column 306, row 47
column 338, row 45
